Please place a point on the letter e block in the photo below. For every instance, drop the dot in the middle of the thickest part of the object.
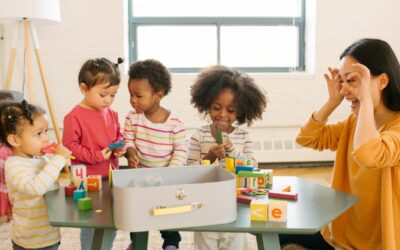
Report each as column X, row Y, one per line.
column 277, row 210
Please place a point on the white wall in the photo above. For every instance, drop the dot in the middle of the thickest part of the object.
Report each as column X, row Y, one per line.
column 97, row 28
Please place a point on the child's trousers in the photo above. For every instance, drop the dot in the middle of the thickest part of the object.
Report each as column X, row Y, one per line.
column 221, row 241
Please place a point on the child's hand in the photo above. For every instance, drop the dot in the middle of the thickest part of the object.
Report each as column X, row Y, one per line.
column 228, row 145
column 216, row 152
column 119, row 152
column 106, row 152
column 131, row 156
column 63, row 151
column 334, row 86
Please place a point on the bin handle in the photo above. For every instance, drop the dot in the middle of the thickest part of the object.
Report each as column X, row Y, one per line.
column 163, row 210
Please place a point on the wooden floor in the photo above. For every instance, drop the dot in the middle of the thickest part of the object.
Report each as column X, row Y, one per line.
column 71, row 241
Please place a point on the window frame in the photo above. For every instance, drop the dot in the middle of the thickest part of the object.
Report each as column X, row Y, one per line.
column 217, row 22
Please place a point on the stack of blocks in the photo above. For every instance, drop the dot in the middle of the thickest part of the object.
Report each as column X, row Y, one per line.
column 80, row 180
column 272, row 210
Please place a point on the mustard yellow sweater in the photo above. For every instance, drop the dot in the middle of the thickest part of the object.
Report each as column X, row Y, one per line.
column 372, row 172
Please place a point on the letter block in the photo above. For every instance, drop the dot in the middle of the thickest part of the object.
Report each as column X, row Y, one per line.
column 259, row 210
column 78, row 174
column 85, row 204
column 93, row 182
column 277, row 210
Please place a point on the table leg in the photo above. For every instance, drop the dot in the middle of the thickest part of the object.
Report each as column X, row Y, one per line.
column 140, row 240
column 102, row 239
column 268, row 241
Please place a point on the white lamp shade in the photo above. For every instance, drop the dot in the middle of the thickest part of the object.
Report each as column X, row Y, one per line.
column 35, row 10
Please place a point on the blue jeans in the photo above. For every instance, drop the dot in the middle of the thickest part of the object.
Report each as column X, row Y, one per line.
column 87, row 238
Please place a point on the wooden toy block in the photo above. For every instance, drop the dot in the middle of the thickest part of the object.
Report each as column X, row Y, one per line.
column 259, row 210
column 78, row 194
column 230, row 164
column 205, row 162
column 266, row 181
column 85, row 204
column 245, row 199
column 243, row 168
column 283, row 195
column 277, row 210
column 93, row 182
column 110, row 180
column 69, row 190
column 240, row 162
column 78, row 173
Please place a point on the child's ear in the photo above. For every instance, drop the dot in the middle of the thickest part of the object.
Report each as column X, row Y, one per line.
column 13, row 140
column 83, row 87
column 160, row 94
column 383, row 81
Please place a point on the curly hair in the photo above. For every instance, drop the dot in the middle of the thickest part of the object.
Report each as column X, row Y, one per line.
column 251, row 101
column 155, row 72
column 13, row 115
column 100, row 70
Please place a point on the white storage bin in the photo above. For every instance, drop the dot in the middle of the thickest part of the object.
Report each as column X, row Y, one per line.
column 173, row 197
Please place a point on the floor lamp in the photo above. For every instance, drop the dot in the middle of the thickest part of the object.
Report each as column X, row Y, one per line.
column 24, row 13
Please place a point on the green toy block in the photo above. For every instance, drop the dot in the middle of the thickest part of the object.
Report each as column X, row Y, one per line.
column 85, row 204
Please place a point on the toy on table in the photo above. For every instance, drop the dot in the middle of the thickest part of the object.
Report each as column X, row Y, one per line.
column 79, row 193
column 85, row 203
column 69, row 190
column 205, row 162
column 78, row 173
column 277, row 210
column 93, row 182
column 283, row 195
column 259, row 210
column 115, row 145
column 51, row 148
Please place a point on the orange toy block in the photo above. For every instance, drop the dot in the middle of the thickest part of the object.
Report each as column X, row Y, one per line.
column 93, row 182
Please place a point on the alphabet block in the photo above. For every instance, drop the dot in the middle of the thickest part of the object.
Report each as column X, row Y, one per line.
column 93, row 182
column 78, row 174
column 277, row 210
column 259, row 210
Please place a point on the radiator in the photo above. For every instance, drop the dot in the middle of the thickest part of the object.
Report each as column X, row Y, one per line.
column 287, row 150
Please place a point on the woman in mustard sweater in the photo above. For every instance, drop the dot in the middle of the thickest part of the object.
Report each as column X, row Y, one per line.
column 367, row 143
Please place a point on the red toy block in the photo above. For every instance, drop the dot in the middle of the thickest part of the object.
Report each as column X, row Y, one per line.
column 282, row 195
column 69, row 190
column 245, row 199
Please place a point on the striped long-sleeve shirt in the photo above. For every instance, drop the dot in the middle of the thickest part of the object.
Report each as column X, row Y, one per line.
column 157, row 144
column 202, row 140
column 28, row 179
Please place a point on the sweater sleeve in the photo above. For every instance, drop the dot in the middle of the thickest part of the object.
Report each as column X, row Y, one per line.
column 319, row 135
column 381, row 152
column 72, row 135
column 129, row 133
column 21, row 175
column 180, row 145
column 194, row 149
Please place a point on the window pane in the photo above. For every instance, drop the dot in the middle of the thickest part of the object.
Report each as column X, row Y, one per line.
column 216, row 8
column 269, row 46
column 178, row 46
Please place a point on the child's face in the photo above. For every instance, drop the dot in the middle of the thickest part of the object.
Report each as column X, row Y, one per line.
column 32, row 138
column 99, row 96
column 143, row 97
column 223, row 110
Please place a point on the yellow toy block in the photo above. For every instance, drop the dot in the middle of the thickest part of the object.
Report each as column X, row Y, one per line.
column 277, row 210
column 259, row 210
column 93, row 182
column 230, row 164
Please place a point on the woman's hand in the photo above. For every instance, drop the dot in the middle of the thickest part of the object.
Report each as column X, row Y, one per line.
column 362, row 79
column 334, row 86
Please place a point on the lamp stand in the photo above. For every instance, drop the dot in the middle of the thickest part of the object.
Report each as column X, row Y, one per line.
column 29, row 29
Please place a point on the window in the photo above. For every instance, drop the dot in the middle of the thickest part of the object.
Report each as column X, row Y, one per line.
column 186, row 35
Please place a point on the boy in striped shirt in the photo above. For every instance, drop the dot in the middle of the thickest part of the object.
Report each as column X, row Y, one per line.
column 154, row 135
